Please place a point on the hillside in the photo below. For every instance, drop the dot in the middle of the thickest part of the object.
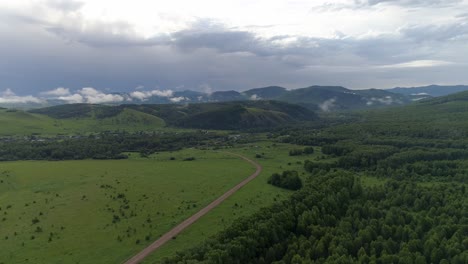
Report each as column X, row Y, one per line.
column 79, row 111
column 229, row 115
column 73, row 119
column 331, row 98
column 265, row 93
column 241, row 115
column 429, row 91
column 439, row 118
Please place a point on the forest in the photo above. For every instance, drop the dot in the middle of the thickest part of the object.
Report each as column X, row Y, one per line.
column 106, row 145
column 377, row 194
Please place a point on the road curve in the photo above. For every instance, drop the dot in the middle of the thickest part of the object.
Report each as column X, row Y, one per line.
column 189, row 221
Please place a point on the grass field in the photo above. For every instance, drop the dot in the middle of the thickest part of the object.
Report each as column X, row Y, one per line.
column 17, row 122
column 103, row 211
column 106, row 211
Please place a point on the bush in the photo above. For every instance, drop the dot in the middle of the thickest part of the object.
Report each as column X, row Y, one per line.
column 295, row 152
column 288, row 180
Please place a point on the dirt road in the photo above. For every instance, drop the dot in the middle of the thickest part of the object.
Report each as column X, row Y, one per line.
column 176, row 230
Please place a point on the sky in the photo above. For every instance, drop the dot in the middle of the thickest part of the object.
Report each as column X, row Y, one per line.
column 86, row 50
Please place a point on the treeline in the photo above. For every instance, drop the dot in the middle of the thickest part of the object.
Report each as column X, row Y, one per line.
column 334, row 219
column 399, row 163
column 104, row 146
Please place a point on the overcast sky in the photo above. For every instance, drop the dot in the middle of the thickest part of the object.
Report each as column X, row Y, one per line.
column 124, row 46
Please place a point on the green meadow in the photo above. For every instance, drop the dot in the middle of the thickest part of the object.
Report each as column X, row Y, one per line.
column 105, row 211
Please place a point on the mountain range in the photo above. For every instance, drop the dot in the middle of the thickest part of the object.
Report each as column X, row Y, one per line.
column 321, row 98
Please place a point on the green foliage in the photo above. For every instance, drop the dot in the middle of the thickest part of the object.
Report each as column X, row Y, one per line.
column 340, row 98
column 242, row 115
column 102, row 146
column 414, row 210
column 288, row 180
column 334, row 219
column 298, row 152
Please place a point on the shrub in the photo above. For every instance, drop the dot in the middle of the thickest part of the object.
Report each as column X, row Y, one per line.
column 288, row 180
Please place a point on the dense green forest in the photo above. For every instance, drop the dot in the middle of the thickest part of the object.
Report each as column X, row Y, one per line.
column 337, row 219
column 105, row 145
column 388, row 188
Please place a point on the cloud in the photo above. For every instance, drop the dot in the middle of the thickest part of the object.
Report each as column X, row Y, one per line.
column 340, row 47
column 178, row 99
column 387, row 100
column 327, row 105
column 72, row 99
column 408, row 2
column 94, row 96
column 144, row 95
column 65, row 5
column 453, row 31
column 255, row 97
column 359, row 4
column 102, row 34
column 9, row 97
column 61, row 91
column 91, row 96
column 417, row 64
column 206, row 88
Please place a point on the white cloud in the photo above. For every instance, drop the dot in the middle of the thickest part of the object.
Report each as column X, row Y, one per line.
column 9, row 97
column 94, row 96
column 254, row 97
column 61, row 91
column 327, row 105
column 206, row 88
column 387, row 100
column 144, row 95
column 72, row 99
column 178, row 99
column 417, row 64
column 91, row 96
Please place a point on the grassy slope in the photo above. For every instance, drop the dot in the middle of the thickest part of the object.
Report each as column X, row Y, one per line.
column 25, row 123
column 20, row 123
column 68, row 194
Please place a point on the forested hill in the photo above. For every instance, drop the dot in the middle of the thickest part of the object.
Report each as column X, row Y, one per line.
column 431, row 90
column 332, row 98
column 230, row 115
column 225, row 115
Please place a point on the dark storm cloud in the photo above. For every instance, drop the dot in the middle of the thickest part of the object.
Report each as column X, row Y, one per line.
column 117, row 34
column 40, row 56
